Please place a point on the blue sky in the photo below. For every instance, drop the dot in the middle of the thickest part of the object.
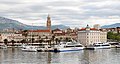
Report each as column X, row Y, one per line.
column 74, row 13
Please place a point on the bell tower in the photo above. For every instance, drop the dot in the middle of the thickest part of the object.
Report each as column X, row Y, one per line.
column 48, row 22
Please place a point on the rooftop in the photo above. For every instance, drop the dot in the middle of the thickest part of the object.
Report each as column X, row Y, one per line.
column 39, row 31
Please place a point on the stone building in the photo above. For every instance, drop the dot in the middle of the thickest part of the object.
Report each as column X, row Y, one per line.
column 88, row 36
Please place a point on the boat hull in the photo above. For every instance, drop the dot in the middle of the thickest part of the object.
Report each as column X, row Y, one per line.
column 66, row 49
column 101, row 47
column 30, row 50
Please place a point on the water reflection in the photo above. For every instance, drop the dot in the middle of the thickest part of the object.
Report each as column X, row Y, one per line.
column 16, row 56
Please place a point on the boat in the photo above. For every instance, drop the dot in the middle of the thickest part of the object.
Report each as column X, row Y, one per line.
column 29, row 48
column 3, row 46
column 67, row 46
column 44, row 48
column 36, row 47
column 114, row 44
column 99, row 46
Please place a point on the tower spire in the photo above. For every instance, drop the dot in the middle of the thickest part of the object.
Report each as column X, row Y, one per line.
column 48, row 15
column 48, row 22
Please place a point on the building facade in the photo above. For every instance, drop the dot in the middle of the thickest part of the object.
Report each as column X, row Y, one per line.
column 10, row 36
column 89, row 36
column 36, row 34
column 114, row 30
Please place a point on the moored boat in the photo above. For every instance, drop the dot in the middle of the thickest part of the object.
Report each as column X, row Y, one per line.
column 114, row 44
column 99, row 46
column 67, row 46
column 29, row 48
column 3, row 46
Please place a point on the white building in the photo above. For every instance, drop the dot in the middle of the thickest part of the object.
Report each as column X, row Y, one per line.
column 87, row 36
column 10, row 36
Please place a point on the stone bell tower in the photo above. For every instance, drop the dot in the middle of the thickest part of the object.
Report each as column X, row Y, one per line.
column 48, row 22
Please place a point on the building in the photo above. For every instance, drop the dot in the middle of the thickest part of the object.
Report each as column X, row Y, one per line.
column 57, row 32
column 11, row 36
column 88, row 36
column 114, row 30
column 38, row 33
column 97, row 26
column 48, row 22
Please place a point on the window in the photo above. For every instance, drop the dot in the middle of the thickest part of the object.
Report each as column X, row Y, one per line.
column 87, row 34
column 78, row 46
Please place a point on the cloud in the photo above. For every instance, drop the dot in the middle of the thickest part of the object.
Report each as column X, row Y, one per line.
column 74, row 13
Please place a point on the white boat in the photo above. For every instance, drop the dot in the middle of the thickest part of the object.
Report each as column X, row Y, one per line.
column 3, row 46
column 68, row 46
column 29, row 48
column 114, row 44
column 99, row 46
column 45, row 48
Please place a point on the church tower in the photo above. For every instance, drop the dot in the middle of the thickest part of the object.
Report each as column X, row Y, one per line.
column 48, row 22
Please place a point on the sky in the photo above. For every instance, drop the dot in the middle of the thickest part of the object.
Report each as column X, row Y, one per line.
column 73, row 13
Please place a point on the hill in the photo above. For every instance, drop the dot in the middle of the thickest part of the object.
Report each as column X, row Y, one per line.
column 6, row 23
column 111, row 26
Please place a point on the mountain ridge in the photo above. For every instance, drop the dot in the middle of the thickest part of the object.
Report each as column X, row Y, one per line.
column 6, row 23
column 111, row 25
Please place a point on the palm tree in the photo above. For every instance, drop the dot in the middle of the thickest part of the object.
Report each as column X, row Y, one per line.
column 53, row 37
column 67, row 39
column 12, row 42
column 56, row 40
column 25, row 33
column 41, row 40
column 61, row 38
column 5, row 41
column 33, row 40
column 23, row 41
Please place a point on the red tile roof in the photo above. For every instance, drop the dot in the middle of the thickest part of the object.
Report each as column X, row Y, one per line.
column 39, row 30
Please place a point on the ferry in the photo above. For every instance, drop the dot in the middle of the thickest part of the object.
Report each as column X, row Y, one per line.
column 102, row 45
column 99, row 46
column 67, row 46
column 114, row 44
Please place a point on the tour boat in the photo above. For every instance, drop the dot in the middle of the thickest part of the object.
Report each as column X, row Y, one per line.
column 99, row 46
column 114, row 44
column 35, row 48
column 29, row 48
column 67, row 46
column 102, row 45
column 45, row 48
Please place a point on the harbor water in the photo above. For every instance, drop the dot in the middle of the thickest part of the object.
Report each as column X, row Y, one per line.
column 100, row 56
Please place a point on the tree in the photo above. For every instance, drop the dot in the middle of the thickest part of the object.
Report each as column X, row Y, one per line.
column 25, row 33
column 23, row 41
column 33, row 40
column 46, row 37
column 5, row 41
column 41, row 40
column 61, row 38
column 66, row 39
column 12, row 42
column 53, row 37
column 56, row 40
column 113, row 36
